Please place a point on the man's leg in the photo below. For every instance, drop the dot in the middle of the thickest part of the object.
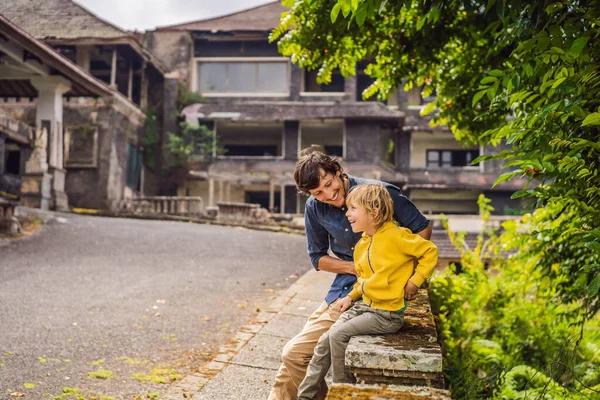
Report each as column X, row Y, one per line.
column 316, row 370
column 298, row 351
column 362, row 320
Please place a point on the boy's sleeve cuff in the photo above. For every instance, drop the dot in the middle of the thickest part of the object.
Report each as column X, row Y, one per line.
column 417, row 280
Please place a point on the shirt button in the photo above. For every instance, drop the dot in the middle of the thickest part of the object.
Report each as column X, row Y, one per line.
column 345, row 287
column 346, row 229
column 351, row 248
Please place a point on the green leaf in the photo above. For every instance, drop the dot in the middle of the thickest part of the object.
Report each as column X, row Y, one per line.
column 558, row 82
column 578, row 45
column 505, row 177
column 420, row 23
column 335, row 11
column 594, row 286
column 488, row 79
column 478, row 97
column 354, row 5
column 381, row 7
column 594, row 246
column 428, row 109
column 361, row 15
column 592, row 119
column 496, row 72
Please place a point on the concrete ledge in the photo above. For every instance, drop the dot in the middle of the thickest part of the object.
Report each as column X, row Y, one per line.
column 411, row 356
column 376, row 392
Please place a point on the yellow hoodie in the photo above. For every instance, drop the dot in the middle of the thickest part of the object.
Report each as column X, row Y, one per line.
column 384, row 263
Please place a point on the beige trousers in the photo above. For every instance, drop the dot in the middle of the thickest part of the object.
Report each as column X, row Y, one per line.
column 299, row 350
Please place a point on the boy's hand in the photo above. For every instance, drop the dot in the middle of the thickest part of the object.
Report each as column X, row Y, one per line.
column 410, row 291
column 344, row 304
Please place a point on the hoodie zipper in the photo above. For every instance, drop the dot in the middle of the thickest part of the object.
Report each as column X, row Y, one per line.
column 370, row 266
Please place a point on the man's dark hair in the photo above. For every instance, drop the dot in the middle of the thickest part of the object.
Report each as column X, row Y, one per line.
column 307, row 173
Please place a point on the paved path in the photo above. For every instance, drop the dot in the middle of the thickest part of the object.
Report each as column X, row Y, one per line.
column 245, row 368
column 130, row 300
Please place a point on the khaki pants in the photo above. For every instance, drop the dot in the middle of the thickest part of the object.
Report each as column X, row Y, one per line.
column 298, row 351
column 331, row 348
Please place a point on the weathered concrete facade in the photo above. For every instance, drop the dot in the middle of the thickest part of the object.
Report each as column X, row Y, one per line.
column 248, row 88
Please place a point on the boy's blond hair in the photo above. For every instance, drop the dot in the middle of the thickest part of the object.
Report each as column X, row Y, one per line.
column 374, row 199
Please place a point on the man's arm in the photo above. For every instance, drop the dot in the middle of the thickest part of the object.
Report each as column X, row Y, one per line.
column 426, row 233
column 337, row 266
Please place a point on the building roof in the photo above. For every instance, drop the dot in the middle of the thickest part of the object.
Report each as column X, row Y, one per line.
column 65, row 21
column 47, row 19
column 261, row 18
column 83, row 84
column 290, row 110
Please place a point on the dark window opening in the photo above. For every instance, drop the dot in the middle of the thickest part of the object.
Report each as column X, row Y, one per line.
column 334, row 150
column 13, row 162
column 250, row 150
column 134, row 167
column 450, row 158
column 262, row 198
column 335, row 86
column 362, row 82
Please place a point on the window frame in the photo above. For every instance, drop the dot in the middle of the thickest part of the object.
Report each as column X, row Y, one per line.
column 195, row 81
column 440, row 159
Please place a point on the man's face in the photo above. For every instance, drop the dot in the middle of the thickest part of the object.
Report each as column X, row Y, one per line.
column 330, row 190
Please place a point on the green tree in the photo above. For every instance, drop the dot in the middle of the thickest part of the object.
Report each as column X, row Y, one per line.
column 519, row 72
column 522, row 73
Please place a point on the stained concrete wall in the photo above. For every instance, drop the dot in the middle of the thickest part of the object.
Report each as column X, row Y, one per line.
column 102, row 186
column 173, row 49
column 363, row 142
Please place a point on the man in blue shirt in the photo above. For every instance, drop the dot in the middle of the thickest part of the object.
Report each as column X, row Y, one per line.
column 323, row 179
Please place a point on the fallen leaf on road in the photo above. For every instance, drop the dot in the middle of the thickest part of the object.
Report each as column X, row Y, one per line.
column 294, row 276
column 17, row 394
column 161, row 301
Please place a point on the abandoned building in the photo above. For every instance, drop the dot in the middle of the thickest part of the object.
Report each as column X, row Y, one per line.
column 264, row 109
column 102, row 132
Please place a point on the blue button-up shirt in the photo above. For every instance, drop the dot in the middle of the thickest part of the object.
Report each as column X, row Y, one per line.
column 327, row 227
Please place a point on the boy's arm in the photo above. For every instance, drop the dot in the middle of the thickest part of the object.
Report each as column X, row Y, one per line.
column 356, row 292
column 426, row 254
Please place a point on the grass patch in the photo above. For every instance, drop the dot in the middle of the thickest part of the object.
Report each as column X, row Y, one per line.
column 157, row 375
column 101, row 374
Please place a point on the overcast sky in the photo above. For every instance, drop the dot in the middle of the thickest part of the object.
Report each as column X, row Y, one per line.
column 148, row 14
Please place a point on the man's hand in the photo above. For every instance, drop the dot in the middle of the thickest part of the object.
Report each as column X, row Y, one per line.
column 344, row 304
column 410, row 291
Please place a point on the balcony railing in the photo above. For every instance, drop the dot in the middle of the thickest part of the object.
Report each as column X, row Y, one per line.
column 163, row 205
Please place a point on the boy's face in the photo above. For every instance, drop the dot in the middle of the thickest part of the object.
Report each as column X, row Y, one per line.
column 330, row 190
column 360, row 220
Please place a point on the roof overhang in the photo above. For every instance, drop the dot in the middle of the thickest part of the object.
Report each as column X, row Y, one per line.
column 32, row 58
column 124, row 40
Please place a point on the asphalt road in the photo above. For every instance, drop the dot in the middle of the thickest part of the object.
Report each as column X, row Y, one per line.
column 114, row 307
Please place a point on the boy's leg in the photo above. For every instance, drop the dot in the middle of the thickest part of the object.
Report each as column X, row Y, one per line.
column 316, row 370
column 364, row 321
column 299, row 350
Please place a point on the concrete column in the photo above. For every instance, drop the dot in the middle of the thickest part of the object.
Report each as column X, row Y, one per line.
column 144, row 87
column 271, row 195
column 402, row 150
column 291, row 131
column 2, row 154
column 83, row 57
column 221, row 190
column 130, row 82
column 211, row 192
column 228, row 191
column 350, row 88
column 49, row 122
column 282, row 200
column 113, row 69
